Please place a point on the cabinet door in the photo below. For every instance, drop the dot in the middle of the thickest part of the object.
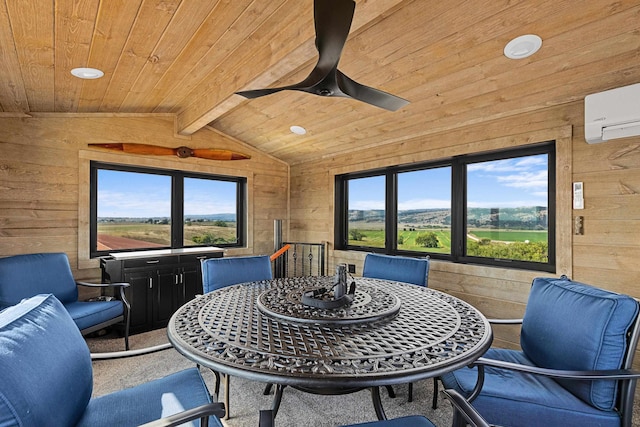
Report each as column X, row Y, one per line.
column 164, row 296
column 139, row 296
column 191, row 284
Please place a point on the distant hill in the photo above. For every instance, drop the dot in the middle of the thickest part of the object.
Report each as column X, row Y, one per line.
column 213, row 217
column 230, row 217
column 521, row 218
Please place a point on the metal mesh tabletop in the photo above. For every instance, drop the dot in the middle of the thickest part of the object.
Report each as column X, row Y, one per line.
column 430, row 333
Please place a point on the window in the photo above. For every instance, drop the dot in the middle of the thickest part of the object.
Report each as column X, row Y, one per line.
column 424, row 210
column 495, row 208
column 135, row 208
column 366, row 212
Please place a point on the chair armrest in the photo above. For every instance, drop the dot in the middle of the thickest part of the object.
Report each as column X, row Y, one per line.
column 216, row 409
column 505, row 321
column 464, row 408
column 104, row 285
column 612, row 374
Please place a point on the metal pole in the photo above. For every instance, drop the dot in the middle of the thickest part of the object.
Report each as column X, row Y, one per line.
column 277, row 244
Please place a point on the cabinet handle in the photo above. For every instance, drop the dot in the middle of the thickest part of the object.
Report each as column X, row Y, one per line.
column 153, row 261
column 201, row 257
column 150, row 282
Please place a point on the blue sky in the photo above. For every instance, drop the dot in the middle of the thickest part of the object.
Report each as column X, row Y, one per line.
column 130, row 194
column 499, row 184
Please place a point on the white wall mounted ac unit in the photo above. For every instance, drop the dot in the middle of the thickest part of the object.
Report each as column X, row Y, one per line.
column 612, row 114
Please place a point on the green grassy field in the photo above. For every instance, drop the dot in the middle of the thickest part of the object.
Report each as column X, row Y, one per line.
column 161, row 233
column 511, row 235
column 375, row 238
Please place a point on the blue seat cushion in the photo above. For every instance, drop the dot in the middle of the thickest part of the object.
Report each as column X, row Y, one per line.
column 220, row 272
column 149, row 401
column 398, row 268
column 46, row 375
column 410, row 421
column 23, row 276
column 509, row 397
column 573, row 326
column 87, row 314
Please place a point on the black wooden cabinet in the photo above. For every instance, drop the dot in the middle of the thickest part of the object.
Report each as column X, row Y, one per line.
column 159, row 284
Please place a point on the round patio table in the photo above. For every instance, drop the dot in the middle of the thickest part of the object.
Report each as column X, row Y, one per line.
column 392, row 333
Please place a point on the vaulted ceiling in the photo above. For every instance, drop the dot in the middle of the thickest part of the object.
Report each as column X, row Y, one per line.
column 188, row 57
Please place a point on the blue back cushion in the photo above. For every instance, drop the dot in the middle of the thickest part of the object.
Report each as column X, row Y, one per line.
column 23, row 276
column 400, row 269
column 573, row 326
column 220, row 272
column 45, row 364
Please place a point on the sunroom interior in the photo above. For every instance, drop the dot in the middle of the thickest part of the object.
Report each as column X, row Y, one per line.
column 171, row 72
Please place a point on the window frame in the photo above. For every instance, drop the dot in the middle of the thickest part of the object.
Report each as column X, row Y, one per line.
column 458, row 166
column 177, row 204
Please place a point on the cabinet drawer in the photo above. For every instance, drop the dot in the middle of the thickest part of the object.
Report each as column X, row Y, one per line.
column 195, row 258
column 150, row 262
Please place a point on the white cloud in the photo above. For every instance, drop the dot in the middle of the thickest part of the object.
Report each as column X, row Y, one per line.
column 363, row 205
column 424, row 204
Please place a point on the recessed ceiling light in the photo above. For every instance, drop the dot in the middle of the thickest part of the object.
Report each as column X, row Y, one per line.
column 87, row 73
column 523, row 46
column 298, row 130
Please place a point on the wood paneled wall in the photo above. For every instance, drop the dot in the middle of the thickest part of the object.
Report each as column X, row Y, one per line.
column 44, row 176
column 606, row 255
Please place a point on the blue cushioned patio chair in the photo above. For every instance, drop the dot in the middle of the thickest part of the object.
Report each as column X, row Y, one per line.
column 574, row 366
column 399, row 269
column 220, row 272
column 23, row 276
column 47, row 378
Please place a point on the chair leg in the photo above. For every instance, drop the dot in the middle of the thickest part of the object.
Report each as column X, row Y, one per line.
column 217, row 388
column 267, row 389
column 127, row 319
column 377, row 403
column 410, row 392
column 392, row 394
column 227, row 381
column 277, row 399
column 434, row 403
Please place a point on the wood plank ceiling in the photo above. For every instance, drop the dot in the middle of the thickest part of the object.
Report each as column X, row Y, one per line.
column 188, row 57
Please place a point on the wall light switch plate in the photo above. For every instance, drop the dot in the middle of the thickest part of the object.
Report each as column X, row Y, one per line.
column 578, row 195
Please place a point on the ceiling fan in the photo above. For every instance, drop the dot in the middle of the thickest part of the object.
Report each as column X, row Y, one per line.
column 332, row 21
column 182, row 152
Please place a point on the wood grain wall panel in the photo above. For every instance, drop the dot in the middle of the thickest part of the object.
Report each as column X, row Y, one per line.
column 12, row 92
column 151, row 21
column 113, row 21
column 33, row 33
column 74, row 24
column 44, row 178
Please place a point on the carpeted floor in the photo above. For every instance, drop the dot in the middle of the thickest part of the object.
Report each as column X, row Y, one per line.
column 297, row 408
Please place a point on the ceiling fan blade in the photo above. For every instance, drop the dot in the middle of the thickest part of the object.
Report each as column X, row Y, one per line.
column 332, row 21
column 132, row 148
column 257, row 93
column 368, row 94
column 213, row 154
